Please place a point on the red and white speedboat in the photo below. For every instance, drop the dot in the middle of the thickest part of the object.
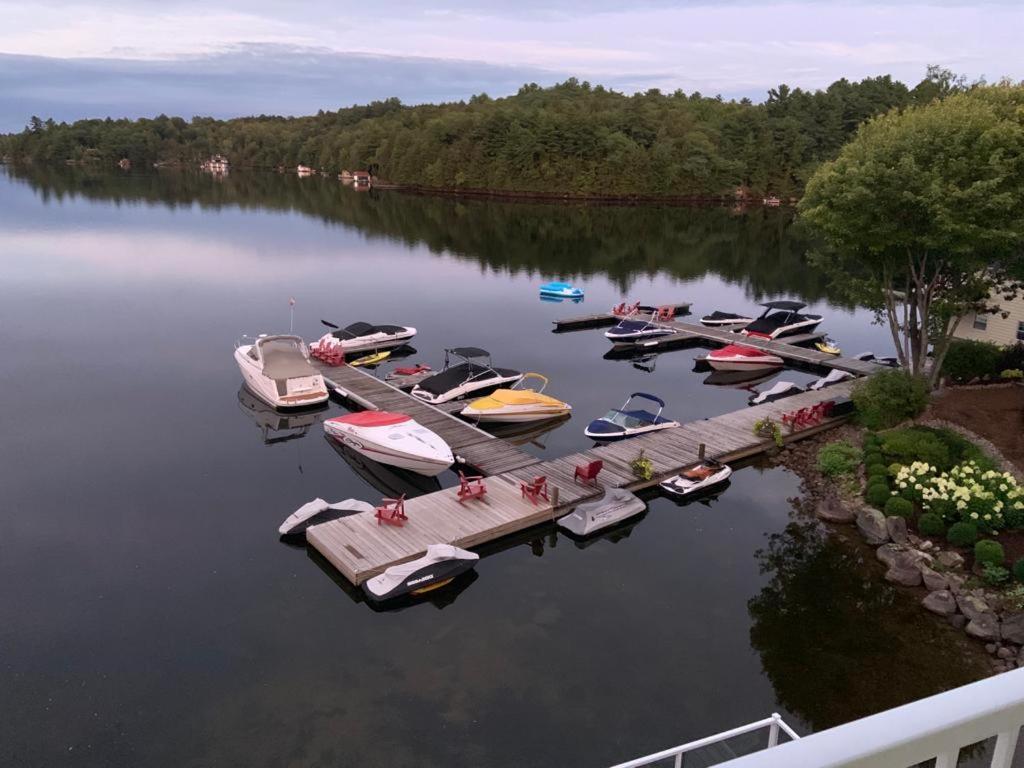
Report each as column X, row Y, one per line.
column 392, row 438
column 739, row 357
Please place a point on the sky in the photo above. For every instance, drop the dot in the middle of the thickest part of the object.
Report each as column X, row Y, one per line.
column 132, row 58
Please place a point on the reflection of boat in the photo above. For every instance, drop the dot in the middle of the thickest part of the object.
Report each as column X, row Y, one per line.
column 739, row 357
column 739, row 379
column 780, row 390
column 440, row 564
column 392, row 438
column 559, row 299
column 474, row 374
column 636, row 330
column 319, row 511
column 615, row 506
column 517, row 404
column 527, row 432
column 718, row 318
column 834, row 377
column 558, row 290
column 698, row 478
column 612, row 534
column 359, row 337
column 620, row 423
column 781, row 318
column 277, row 370
column 290, row 425
column 706, row 498
column 372, row 359
column 390, row 482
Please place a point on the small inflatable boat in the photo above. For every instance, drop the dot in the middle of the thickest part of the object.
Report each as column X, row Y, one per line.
column 717, row 319
column 739, row 357
column 834, row 377
column 558, row 290
column 319, row 511
column 703, row 476
column 616, row 505
column 441, row 564
column 780, row 390
column 620, row 423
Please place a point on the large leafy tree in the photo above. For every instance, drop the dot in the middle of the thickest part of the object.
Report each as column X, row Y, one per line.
column 922, row 216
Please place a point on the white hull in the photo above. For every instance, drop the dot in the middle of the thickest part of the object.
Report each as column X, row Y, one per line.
column 301, row 392
column 681, row 486
column 745, row 364
column 464, row 389
column 414, row 447
column 787, row 330
column 629, row 432
column 514, row 415
column 376, row 341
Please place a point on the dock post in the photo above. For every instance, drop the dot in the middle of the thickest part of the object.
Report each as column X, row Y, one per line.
column 700, row 451
column 554, row 497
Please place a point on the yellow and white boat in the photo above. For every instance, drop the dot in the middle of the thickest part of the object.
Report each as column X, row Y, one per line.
column 520, row 403
column 371, row 359
column 828, row 348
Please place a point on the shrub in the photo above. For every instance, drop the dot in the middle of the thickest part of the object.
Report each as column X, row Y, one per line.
column 1012, row 358
column 1012, row 373
column 838, row 458
column 873, row 456
column 962, row 534
column 889, row 397
column 1013, row 598
column 878, row 494
column 871, row 440
column 878, row 470
column 931, row 524
column 994, row 575
column 1013, row 517
column 990, row 552
column 1018, row 569
column 967, row 359
column 899, row 507
column 917, row 444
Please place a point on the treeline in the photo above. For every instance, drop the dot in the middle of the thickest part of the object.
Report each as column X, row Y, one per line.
column 572, row 138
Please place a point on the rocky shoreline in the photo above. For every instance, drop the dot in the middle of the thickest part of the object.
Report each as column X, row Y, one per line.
column 933, row 573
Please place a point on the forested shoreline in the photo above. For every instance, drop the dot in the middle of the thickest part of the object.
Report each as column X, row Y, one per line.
column 569, row 139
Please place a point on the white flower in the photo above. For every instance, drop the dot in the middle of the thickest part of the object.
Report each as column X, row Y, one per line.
column 974, row 515
column 903, row 485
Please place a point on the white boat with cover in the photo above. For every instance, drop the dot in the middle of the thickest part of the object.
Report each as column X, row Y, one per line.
column 392, row 438
column 615, row 506
column 834, row 377
column 441, row 564
column 475, row 374
column 740, row 357
column 705, row 475
column 318, row 511
column 277, row 370
column 718, row 319
column 523, row 401
column 780, row 390
column 362, row 337
column 781, row 318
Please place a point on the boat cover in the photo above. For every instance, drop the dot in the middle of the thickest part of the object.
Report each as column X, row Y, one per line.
column 719, row 315
column 834, row 377
column 283, row 358
column 317, row 506
column 616, row 505
column 449, row 379
column 791, row 306
column 469, row 352
column 359, row 329
column 506, row 397
column 740, row 350
column 396, row 574
column 780, row 390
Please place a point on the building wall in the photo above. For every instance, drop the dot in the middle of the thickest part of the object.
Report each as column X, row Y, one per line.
column 997, row 329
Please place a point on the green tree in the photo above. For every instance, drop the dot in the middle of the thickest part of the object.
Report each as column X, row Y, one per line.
column 922, row 215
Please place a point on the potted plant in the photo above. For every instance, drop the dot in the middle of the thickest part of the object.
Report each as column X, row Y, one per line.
column 768, row 429
column 642, row 467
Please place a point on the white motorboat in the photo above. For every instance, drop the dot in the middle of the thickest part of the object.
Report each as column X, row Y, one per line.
column 392, row 438
column 630, row 330
column 318, row 511
column 781, row 318
column 717, row 319
column 520, row 403
column 834, row 377
column 458, row 379
column 625, row 422
column 739, row 357
column 362, row 337
column 705, row 475
column 616, row 505
column 277, row 370
column 780, row 390
column 441, row 564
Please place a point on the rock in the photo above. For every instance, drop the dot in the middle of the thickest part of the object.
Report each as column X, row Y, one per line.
column 914, row 540
column 956, row 582
column 832, row 510
column 925, row 546
column 887, row 553
column 1020, row 658
column 897, row 528
column 951, row 559
column 972, row 606
column 957, row 620
column 1005, row 653
column 871, row 524
column 904, row 570
column 932, row 579
column 991, row 648
column 940, row 602
column 984, row 626
column 1013, row 627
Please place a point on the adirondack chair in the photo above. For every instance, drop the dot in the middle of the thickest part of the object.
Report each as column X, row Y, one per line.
column 535, row 490
column 588, row 472
column 665, row 313
column 391, row 511
column 470, row 487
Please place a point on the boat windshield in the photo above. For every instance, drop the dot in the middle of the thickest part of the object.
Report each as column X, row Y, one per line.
column 623, row 419
column 284, row 357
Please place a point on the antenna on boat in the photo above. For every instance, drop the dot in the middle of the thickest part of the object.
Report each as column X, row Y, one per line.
column 291, row 315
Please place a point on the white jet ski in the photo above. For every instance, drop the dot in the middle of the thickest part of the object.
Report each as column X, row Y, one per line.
column 834, row 377
column 441, row 564
column 319, row 511
column 702, row 476
column 616, row 505
column 780, row 390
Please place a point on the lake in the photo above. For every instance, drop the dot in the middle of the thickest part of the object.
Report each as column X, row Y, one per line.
column 151, row 616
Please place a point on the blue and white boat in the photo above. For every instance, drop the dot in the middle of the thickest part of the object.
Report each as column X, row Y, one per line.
column 620, row 423
column 556, row 290
column 630, row 330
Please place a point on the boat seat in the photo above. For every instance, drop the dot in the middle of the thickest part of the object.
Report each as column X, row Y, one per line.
column 702, row 472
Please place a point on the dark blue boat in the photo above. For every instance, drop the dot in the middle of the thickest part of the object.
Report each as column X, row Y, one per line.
column 620, row 423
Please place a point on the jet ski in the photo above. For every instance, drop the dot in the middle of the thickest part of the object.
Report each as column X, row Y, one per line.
column 620, row 423
column 319, row 511
column 780, row 390
column 629, row 330
column 392, row 438
column 717, row 319
column 474, row 374
column 833, row 377
column 868, row 357
column 739, row 357
column 360, row 337
column 441, row 564
column 560, row 291
column 616, row 505
column 781, row 318
column 827, row 347
column 519, row 403
column 705, row 475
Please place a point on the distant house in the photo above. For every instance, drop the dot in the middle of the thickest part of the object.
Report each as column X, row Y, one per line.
column 124, row 164
column 345, row 175
column 994, row 327
column 305, row 170
column 216, row 164
column 361, row 177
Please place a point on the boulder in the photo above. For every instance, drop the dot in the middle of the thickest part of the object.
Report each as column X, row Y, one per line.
column 871, row 524
column 926, row 546
column 956, row 582
column 1005, row 653
column 957, row 620
column 1020, row 658
column 950, row 559
column 832, row 510
column 887, row 553
column 933, row 580
column 904, row 570
column 940, row 602
column 984, row 626
column 991, row 648
column 1013, row 627
column 897, row 528
column 972, row 606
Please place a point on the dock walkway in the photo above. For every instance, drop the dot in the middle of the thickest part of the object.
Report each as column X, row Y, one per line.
column 360, row 548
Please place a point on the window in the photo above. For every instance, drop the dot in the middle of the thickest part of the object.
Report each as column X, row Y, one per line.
column 980, row 322
column 1020, row 330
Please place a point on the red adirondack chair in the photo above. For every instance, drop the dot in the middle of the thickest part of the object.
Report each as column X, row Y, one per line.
column 588, row 472
column 535, row 490
column 391, row 511
column 471, row 487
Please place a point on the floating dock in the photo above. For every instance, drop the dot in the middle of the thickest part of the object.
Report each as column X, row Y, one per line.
column 360, row 548
column 600, row 319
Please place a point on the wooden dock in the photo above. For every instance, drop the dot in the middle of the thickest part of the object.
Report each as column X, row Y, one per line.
column 600, row 319
column 360, row 548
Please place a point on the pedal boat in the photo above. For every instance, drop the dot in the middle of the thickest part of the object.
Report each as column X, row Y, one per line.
column 559, row 290
column 277, row 370
column 519, row 403
column 392, row 438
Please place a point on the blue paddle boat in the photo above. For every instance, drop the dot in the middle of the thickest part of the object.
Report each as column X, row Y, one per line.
column 620, row 423
column 560, row 291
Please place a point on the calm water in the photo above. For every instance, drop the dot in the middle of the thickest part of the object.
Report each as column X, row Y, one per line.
column 151, row 617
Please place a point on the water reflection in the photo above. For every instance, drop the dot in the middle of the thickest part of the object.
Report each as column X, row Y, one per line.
column 390, row 482
column 277, row 427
